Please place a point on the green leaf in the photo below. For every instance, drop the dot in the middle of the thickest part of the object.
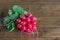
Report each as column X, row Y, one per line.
column 14, row 16
column 11, row 26
column 10, row 12
column 6, row 20
column 9, row 23
column 24, row 12
column 10, row 30
column 17, row 8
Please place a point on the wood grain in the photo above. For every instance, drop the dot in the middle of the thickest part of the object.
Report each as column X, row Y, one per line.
column 48, row 19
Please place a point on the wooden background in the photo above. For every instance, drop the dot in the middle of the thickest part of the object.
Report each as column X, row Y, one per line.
column 47, row 13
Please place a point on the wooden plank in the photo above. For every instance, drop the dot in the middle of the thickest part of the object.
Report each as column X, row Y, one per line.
column 13, row 1
column 6, row 7
column 28, row 38
column 45, row 10
column 53, row 33
column 45, row 0
column 48, row 19
column 31, row 2
column 49, row 2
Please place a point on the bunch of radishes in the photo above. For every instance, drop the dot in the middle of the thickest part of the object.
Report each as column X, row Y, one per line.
column 26, row 23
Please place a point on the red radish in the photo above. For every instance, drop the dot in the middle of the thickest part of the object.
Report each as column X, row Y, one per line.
column 23, row 23
column 33, row 18
column 29, row 26
column 29, row 14
column 26, row 23
column 33, row 23
column 22, row 16
column 34, row 28
column 28, row 30
column 28, row 20
column 23, row 28
column 19, row 26
column 18, row 20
